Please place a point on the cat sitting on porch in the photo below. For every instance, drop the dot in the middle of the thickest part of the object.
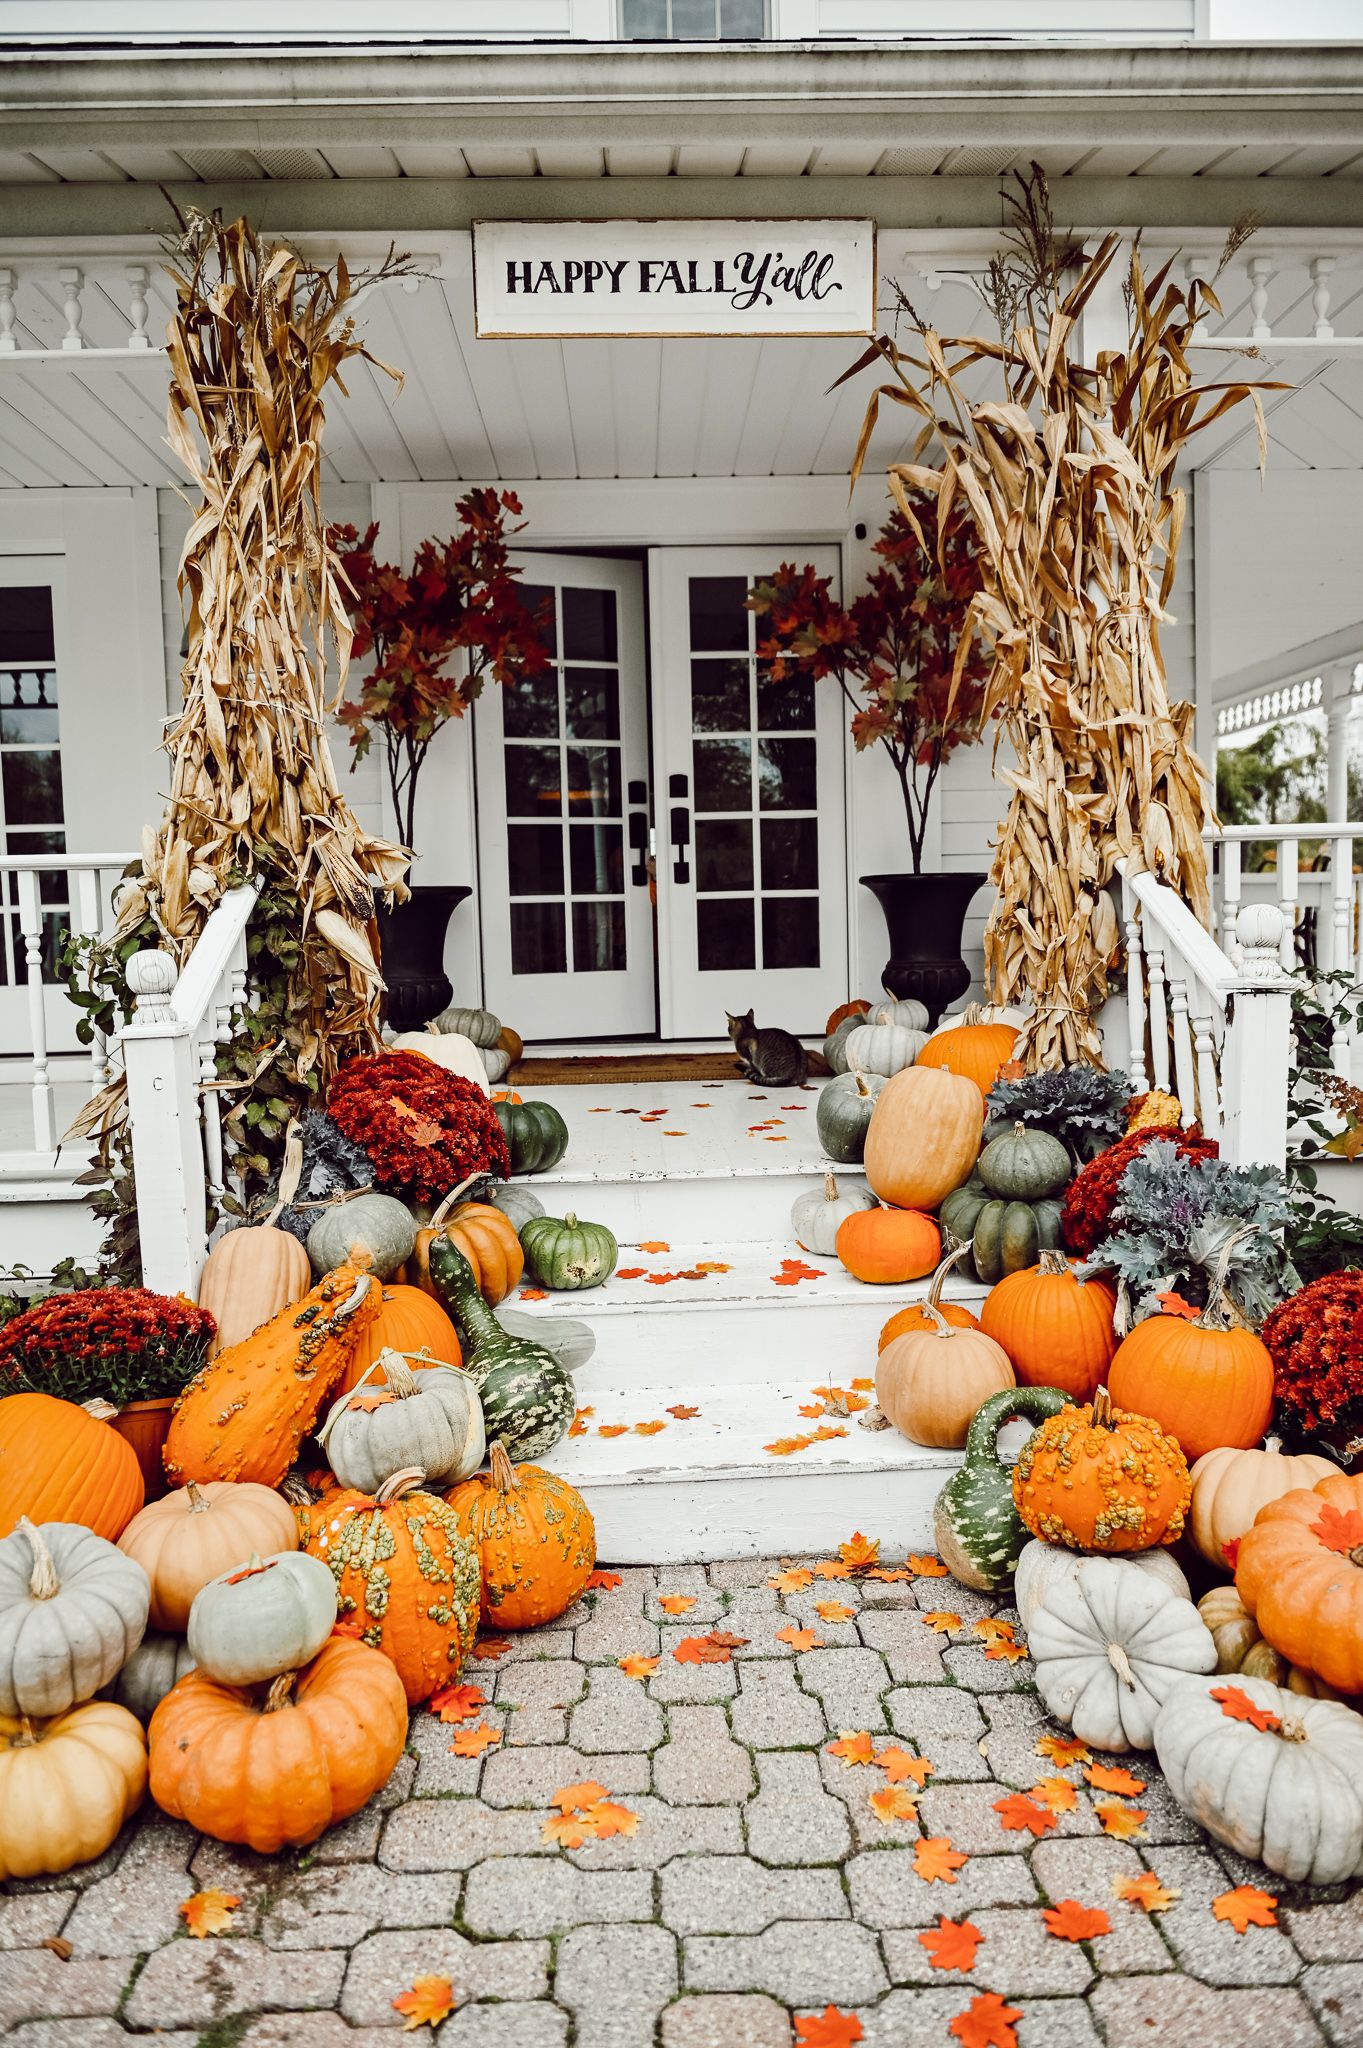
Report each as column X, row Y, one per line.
column 774, row 1057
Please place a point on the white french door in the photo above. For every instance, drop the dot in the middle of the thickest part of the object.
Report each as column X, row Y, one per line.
column 750, row 806
column 563, row 811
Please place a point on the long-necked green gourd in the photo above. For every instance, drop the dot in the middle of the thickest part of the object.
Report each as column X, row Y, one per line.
column 528, row 1396
column 979, row 1532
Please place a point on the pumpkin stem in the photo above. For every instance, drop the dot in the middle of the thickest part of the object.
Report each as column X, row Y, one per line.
column 103, row 1411
column 1052, row 1262
column 252, row 1569
column 1102, row 1415
column 940, row 1326
column 295, row 1490
column 1221, row 1312
column 349, row 1306
column 451, row 1198
column 1272, row 1442
column 570, row 1220
column 197, row 1504
column 25, row 1739
column 399, row 1484
column 860, row 1080
column 503, row 1471
column 280, row 1693
column 830, row 1187
column 43, row 1582
column 1121, row 1664
column 1291, row 1731
column 962, row 1251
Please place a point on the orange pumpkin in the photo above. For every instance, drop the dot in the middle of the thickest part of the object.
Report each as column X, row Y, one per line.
column 487, row 1238
column 857, row 1008
column 409, row 1320
column 249, row 1276
column 244, row 1414
column 1096, row 1478
column 888, row 1246
column 1206, row 1382
column 276, row 1771
column 974, row 1048
column 1056, row 1328
column 405, row 1573
column 916, row 1317
column 534, row 1536
column 59, row 1463
column 511, row 1043
column 1299, row 1573
column 923, row 1137
column 930, row 1382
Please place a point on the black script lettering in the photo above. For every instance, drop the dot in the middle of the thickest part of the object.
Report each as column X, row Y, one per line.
column 753, row 272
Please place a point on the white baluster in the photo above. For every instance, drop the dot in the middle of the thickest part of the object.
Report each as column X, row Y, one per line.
column 1185, row 1081
column 84, row 902
column 211, row 1113
column 1256, row 1051
column 1321, row 267
column 8, row 345
column 138, row 310
column 73, row 283
column 1230, row 897
column 168, row 1159
column 1159, row 1012
column 31, row 932
column 1208, row 1087
column 1260, row 271
column 1341, row 903
column 1135, row 989
column 1289, row 894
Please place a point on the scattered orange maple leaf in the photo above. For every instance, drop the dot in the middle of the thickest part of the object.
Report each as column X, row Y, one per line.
column 860, row 1553
column 935, row 1861
column 799, row 1638
column 1178, row 1305
column 458, row 1702
column 1124, row 1823
column 943, row 1622
column 473, row 1741
column 821, row 1436
column 654, row 1244
column 986, row 2023
column 727, row 1640
column 1069, row 1921
column 490, row 1649
column 793, row 1580
column 951, row 1944
column 1237, row 1705
column 1056, row 1793
column 926, row 1567
column 1113, row 1778
column 833, row 1610
column 567, row 1830
column 676, row 1603
column 898, row 1765
column 1246, row 1907
column 430, row 2000
column 1146, row 1891
column 1063, row 1750
column 1005, row 1650
column 638, row 1667
column 714, row 1648
column 602, row 1582
column 832, row 1568
column 683, row 1413
column 712, row 1265
column 893, row 1802
column 648, row 1428
column 1336, row 1530
column 605, row 1818
column 534, row 1294
column 1017, row 1812
column 892, row 1574
column 811, row 1408
column 209, row 1912
column 853, row 1746
column 864, row 1386
column 577, row 1427
column 630, row 1272
column 827, row 2029
column 784, row 1445
column 367, row 1403
column 585, row 1794
column 989, row 1627
column 612, row 1429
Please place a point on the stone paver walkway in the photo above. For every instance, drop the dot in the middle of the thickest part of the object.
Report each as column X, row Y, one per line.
column 759, row 1883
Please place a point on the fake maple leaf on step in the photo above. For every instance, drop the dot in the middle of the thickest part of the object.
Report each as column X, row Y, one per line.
column 898, row 1765
column 648, row 1428
column 458, row 1702
column 991, row 1629
column 941, row 1620
column 1069, row 1921
column 1146, row 1891
column 473, row 1741
column 833, row 1610
column 630, row 1272
column 1123, row 1823
column 684, row 1414
column 812, row 1409
column 714, row 1648
column 864, row 1386
column 430, row 2000
column 1056, row 1794
column 951, row 1944
column 609, row 1429
column 793, row 1271
column 822, row 1436
column 586, row 1793
column 987, row 2022
column 1017, row 1812
column 676, row 1603
column 533, row 1294
column 209, row 1912
column 490, row 1649
column 1063, row 1750
column 926, row 1567
column 853, row 1746
column 1114, row 1778
column 859, row 1553
column 798, row 1638
column 830, row 2028
column 893, row 1802
column 832, row 1568
column 793, row 1580
column 786, row 1446
column 1003, row 1650
column 1246, row 1907
column 1237, row 1705
column 935, row 1861
column 567, row 1830
column 638, row 1667
column 654, row 1244
column 605, row 1818
column 712, row 1266
column 602, row 1582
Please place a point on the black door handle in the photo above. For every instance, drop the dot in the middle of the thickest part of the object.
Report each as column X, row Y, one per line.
column 638, row 846
column 681, row 840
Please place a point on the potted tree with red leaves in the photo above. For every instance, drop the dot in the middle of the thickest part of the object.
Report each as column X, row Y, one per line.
column 895, row 653
column 435, row 635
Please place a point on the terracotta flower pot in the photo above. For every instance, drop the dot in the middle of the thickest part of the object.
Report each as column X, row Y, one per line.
column 145, row 1424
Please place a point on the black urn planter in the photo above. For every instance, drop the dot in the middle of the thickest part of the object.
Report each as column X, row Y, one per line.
column 924, row 916
column 412, row 953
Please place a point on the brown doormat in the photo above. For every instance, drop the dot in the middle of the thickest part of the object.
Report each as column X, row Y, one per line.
column 602, row 1068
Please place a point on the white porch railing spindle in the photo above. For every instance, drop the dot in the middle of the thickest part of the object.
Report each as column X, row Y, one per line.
column 1230, row 898
column 1159, row 1010
column 31, row 932
column 1257, row 1050
column 1289, row 897
column 1135, row 987
column 1185, row 1077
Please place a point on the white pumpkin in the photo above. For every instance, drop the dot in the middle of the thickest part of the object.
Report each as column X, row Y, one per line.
column 450, row 1050
column 816, row 1215
column 1043, row 1565
column 1109, row 1645
column 913, row 1015
column 429, row 1421
column 73, row 1609
column 271, row 1615
column 1289, row 1796
column 496, row 1063
column 479, row 1025
column 883, row 1048
column 514, row 1200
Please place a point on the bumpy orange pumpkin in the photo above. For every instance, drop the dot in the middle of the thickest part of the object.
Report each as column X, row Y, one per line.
column 278, row 1770
column 888, row 1246
column 973, row 1047
column 487, row 1238
column 916, row 1317
column 1056, row 1329
column 923, row 1137
column 1096, row 1478
column 534, row 1535
column 60, row 1464
column 410, row 1320
column 1206, row 1382
column 244, row 1414
column 249, row 1276
column 405, row 1572
column 1300, row 1574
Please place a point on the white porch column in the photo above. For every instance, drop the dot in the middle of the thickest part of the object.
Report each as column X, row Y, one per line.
column 1339, row 685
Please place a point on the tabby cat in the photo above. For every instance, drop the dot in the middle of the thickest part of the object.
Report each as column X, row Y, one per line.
column 774, row 1057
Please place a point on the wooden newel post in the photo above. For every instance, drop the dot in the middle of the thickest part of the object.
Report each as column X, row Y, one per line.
column 1256, row 1054
column 162, row 1067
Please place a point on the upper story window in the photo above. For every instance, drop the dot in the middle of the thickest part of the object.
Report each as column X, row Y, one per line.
column 694, row 21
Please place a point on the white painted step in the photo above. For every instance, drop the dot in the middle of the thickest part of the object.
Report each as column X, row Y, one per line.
column 707, row 1487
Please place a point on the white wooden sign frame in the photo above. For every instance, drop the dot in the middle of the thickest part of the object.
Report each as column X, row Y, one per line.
column 560, row 280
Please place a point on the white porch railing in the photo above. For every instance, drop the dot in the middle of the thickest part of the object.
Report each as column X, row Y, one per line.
column 38, row 1025
column 170, row 1057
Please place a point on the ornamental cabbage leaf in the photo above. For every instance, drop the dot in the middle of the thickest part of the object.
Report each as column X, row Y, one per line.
column 1082, row 1107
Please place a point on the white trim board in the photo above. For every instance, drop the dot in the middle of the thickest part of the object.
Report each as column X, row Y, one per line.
column 643, row 512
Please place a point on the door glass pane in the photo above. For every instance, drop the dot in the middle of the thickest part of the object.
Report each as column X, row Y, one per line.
column 592, row 699
column 535, row 860
column 599, row 938
column 786, row 706
column 719, row 614
column 539, row 597
column 596, row 856
column 787, row 775
column 790, row 853
column 742, row 20
column 724, row 853
column 723, row 775
column 724, row 932
column 537, row 939
column 32, row 786
column 719, row 696
column 26, row 624
column 694, row 19
column 641, row 18
column 533, row 782
column 589, row 630
column 594, row 782
column 530, row 708
column 790, row 931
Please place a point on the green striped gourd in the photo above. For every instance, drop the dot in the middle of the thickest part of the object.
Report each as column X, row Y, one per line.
column 528, row 1397
column 979, row 1533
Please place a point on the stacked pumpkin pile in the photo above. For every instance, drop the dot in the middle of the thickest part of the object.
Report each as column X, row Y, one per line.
column 249, row 1643
column 471, row 1043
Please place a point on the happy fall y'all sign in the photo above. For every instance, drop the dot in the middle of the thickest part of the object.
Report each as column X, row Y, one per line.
column 536, row 280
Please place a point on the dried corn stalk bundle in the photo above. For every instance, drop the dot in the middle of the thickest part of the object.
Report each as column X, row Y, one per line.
column 1069, row 478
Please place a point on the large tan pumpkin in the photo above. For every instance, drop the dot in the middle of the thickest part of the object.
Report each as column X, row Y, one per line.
column 198, row 1532
column 931, row 1381
column 249, row 1276
column 1230, row 1486
column 923, row 1137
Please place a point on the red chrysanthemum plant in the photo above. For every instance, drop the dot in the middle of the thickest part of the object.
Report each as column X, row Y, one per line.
column 115, row 1344
column 427, row 1131
column 436, row 634
column 893, row 650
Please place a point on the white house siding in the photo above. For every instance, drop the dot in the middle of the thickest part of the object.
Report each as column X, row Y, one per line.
column 1285, row 562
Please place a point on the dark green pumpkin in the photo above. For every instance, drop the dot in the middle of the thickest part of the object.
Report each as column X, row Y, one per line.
column 1023, row 1165
column 843, row 1115
column 979, row 1533
column 528, row 1396
column 535, row 1133
column 564, row 1253
column 1003, row 1236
